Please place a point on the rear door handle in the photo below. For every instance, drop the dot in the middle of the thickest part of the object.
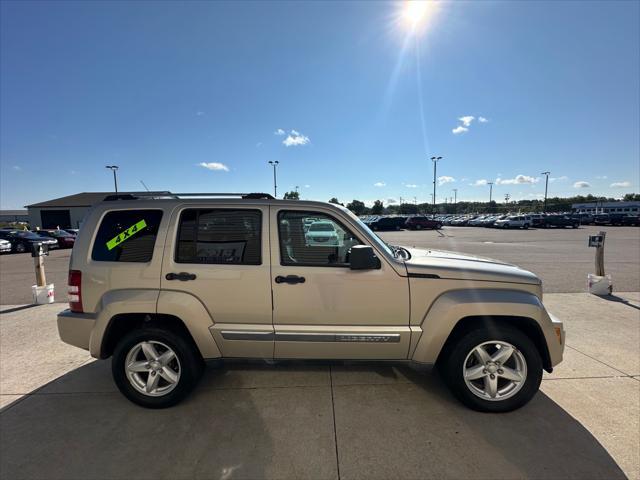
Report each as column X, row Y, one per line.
column 182, row 276
column 290, row 279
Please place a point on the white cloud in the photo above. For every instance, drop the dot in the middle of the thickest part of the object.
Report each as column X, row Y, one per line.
column 620, row 184
column 279, row 132
column 558, row 179
column 479, row 183
column 258, row 145
column 411, row 185
column 581, row 184
column 518, row 179
column 459, row 129
column 199, row 113
column 307, row 186
column 379, row 184
column 483, row 119
column 444, row 179
column 391, row 201
column 17, row 168
column 466, row 120
column 601, row 177
column 295, row 139
column 216, row 166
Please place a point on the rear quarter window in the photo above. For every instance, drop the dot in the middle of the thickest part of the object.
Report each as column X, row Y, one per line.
column 127, row 236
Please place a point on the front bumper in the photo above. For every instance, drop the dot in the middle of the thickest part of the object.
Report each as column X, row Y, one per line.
column 75, row 328
column 555, row 339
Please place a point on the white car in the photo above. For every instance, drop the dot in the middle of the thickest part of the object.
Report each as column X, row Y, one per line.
column 5, row 246
column 514, row 221
column 322, row 234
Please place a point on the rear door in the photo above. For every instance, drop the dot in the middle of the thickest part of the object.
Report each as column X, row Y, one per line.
column 220, row 255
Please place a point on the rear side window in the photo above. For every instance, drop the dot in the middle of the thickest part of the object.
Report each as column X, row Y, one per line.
column 127, row 236
column 220, row 236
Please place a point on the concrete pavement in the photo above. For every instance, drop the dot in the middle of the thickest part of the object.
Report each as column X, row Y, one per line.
column 63, row 417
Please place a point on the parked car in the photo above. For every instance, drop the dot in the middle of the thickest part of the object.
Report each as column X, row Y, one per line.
column 514, row 221
column 23, row 240
column 322, row 233
column 560, row 221
column 72, row 231
column 610, row 219
column 160, row 285
column 631, row 221
column 387, row 223
column 420, row 222
column 5, row 246
column 64, row 239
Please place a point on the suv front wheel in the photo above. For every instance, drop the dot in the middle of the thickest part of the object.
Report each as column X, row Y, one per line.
column 493, row 370
column 155, row 368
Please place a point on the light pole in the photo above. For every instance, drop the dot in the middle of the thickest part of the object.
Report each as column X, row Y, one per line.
column 114, row 169
column 435, row 162
column 455, row 195
column 490, row 192
column 275, row 181
column 546, row 187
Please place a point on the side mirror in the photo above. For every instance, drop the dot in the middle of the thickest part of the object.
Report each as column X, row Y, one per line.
column 362, row 257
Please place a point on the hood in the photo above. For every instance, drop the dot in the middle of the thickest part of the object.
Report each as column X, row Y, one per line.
column 466, row 267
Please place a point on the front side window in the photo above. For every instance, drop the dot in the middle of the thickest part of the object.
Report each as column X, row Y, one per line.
column 127, row 236
column 313, row 239
column 220, row 236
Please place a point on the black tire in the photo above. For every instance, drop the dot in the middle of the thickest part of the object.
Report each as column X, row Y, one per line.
column 191, row 366
column 526, row 226
column 20, row 248
column 418, row 227
column 451, row 367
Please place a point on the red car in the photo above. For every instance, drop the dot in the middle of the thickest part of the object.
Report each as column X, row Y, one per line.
column 65, row 239
column 418, row 223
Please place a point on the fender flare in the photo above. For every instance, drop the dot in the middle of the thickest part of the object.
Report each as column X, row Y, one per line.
column 116, row 302
column 184, row 306
column 453, row 306
column 195, row 317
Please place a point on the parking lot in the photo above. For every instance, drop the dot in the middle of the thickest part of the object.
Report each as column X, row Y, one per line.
column 560, row 257
column 62, row 416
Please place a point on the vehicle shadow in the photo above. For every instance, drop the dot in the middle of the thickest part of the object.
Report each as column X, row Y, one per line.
column 256, row 420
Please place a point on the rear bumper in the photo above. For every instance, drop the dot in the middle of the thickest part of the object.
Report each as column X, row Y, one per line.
column 75, row 328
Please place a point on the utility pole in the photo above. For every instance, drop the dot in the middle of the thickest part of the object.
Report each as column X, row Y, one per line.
column 435, row 163
column 114, row 169
column 275, row 178
column 490, row 191
column 455, row 195
column 297, row 187
column 546, row 188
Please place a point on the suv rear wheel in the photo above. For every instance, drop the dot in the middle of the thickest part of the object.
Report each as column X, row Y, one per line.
column 493, row 370
column 155, row 368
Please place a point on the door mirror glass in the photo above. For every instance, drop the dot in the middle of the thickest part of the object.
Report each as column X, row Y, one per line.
column 362, row 257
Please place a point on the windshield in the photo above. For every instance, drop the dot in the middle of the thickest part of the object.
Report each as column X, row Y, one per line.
column 25, row 235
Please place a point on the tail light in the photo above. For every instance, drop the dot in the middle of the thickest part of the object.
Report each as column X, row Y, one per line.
column 75, row 291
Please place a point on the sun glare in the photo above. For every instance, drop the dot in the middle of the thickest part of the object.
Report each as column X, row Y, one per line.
column 415, row 12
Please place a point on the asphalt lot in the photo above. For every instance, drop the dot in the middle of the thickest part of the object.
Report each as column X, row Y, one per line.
column 63, row 417
column 560, row 257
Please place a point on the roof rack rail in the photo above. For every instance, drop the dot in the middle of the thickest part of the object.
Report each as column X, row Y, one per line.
column 155, row 195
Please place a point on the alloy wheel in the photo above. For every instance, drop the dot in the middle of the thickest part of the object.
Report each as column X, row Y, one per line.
column 152, row 368
column 495, row 370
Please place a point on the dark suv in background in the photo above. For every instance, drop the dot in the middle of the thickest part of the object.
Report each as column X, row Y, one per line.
column 560, row 221
column 418, row 223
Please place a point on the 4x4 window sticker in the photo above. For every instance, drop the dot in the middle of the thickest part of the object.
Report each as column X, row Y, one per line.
column 126, row 234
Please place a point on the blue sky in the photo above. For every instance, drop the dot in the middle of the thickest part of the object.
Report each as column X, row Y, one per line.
column 161, row 89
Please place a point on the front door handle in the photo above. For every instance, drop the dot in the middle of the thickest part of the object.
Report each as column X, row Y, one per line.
column 182, row 276
column 290, row 279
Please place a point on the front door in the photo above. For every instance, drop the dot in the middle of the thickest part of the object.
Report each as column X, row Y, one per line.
column 322, row 308
column 221, row 256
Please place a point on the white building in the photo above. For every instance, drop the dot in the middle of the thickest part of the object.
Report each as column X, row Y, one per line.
column 632, row 208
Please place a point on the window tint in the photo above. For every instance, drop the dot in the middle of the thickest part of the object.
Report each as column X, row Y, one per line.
column 220, row 236
column 313, row 239
column 127, row 236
